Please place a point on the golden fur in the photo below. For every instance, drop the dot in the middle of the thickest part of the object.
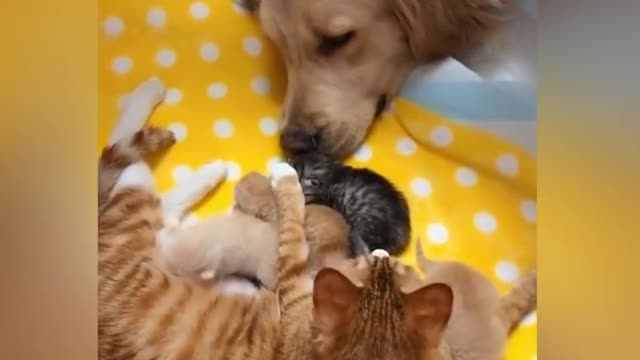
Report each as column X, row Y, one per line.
column 332, row 97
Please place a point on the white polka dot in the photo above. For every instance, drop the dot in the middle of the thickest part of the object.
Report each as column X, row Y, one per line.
column 406, row 146
column 268, row 126
column 485, row 222
column 217, row 90
column 233, row 170
column 364, row 153
column 273, row 161
column 166, row 58
column 529, row 212
column 261, row 85
column 199, row 10
column 179, row 131
column 507, row 165
column 113, row 26
column 156, row 17
column 441, row 136
column 466, row 176
column 209, row 52
column 252, row 46
column 122, row 65
column 507, row 271
column 529, row 320
column 173, row 96
column 223, row 128
column 181, row 173
column 190, row 220
column 437, row 233
column 421, row 187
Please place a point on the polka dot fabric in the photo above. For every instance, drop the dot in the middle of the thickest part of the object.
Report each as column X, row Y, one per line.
column 472, row 196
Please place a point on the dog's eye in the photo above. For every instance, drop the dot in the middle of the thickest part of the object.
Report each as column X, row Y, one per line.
column 330, row 44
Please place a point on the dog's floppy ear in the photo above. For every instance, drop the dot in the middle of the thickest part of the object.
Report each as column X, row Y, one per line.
column 437, row 29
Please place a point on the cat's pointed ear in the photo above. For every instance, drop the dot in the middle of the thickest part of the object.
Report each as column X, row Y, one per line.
column 428, row 310
column 335, row 299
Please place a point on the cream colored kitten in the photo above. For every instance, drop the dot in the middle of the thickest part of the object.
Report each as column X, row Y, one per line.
column 244, row 242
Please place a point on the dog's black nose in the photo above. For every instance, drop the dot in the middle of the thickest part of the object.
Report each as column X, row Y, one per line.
column 298, row 141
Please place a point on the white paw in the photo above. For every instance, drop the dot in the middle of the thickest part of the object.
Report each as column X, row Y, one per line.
column 212, row 172
column 381, row 253
column 281, row 170
column 151, row 90
column 207, row 274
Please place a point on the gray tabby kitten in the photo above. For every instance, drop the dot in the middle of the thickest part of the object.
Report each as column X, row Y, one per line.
column 376, row 211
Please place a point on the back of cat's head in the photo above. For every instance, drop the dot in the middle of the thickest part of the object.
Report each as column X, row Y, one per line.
column 363, row 311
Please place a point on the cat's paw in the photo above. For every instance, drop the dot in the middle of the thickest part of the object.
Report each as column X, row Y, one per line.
column 151, row 90
column 381, row 253
column 280, row 171
column 152, row 139
column 207, row 274
column 212, row 172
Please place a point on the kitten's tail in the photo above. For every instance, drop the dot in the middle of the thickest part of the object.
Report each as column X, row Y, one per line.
column 358, row 245
column 519, row 302
column 115, row 158
column 423, row 262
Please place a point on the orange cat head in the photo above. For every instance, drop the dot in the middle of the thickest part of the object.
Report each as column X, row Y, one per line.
column 377, row 308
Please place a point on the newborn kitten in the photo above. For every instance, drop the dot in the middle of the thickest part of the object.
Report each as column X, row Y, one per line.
column 245, row 242
column 376, row 211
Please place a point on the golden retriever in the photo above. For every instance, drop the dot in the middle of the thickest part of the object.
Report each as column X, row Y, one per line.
column 346, row 58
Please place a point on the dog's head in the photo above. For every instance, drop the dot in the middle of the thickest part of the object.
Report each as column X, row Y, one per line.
column 346, row 59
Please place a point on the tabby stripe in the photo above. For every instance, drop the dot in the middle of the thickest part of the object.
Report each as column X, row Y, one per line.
column 146, row 302
column 291, row 271
column 300, row 299
column 164, row 324
column 237, row 330
column 252, row 328
column 198, row 332
column 131, row 292
column 218, row 342
column 114, row 263
column 120, row 282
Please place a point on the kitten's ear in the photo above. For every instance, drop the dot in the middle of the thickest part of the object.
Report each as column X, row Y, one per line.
column 428, row 311
column 335, row 299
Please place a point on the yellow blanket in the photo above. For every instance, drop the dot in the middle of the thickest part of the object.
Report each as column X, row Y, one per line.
column 472, row 196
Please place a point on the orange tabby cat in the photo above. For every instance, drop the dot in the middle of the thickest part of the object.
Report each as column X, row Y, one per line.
column 144, row 312
column 481, row 320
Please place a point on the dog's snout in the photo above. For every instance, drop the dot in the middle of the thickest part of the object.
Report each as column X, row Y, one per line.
column 297, row 141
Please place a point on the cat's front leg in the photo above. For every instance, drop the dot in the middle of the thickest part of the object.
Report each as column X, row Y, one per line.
column 185, row 195
column 292, row 280
column 137, row 109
